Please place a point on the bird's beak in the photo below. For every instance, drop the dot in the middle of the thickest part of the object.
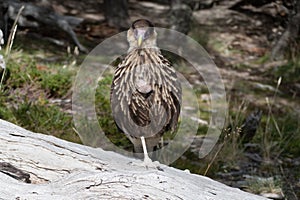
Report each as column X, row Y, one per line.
column 140, row 36
column 140, row 40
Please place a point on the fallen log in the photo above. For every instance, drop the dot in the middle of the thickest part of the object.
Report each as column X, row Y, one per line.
column 34, row 16
column 45, row 167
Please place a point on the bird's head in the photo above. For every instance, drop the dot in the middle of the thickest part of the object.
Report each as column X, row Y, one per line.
column 141, row 34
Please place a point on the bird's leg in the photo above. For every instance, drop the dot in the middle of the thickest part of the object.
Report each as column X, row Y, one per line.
column 146, row 157
column 148, row 163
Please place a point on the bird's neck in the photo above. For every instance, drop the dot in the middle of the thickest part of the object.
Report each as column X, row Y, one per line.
column 142, row 49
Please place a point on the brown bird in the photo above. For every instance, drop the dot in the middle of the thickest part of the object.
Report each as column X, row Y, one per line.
column 145, row 92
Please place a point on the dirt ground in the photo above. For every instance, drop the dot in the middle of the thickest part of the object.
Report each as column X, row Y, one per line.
column 237, row 42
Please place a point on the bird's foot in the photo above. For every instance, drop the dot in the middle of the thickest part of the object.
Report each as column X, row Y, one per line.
column 149, row 164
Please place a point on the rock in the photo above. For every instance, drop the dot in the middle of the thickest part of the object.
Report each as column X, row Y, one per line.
column 250, row 125
column 273, row 196
column 63, row 170
column 2, row 62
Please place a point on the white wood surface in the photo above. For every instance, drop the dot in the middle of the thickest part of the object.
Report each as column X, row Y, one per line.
column 62, row 170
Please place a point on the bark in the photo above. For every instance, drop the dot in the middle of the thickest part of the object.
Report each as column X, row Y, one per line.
column 36, row 166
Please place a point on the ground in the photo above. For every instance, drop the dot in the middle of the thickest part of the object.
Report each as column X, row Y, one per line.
column 238, row 43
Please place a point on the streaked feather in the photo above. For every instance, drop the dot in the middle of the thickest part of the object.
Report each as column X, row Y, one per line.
column 145, row 93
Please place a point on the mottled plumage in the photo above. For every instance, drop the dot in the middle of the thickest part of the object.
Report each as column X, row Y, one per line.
column 145, row 93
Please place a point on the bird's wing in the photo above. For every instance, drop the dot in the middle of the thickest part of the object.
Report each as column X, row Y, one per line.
column 174, row 90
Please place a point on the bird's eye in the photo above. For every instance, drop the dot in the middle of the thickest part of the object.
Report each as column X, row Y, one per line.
column 135, row 32
column 147, row 34
column 150, row 31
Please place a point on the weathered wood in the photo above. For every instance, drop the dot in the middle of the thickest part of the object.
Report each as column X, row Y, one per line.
column 34, row 16
column 62, row 170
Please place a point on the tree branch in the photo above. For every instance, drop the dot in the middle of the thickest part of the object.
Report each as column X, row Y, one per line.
column 59, row 169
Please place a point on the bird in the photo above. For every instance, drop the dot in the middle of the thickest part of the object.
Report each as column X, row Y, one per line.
column 146, row 93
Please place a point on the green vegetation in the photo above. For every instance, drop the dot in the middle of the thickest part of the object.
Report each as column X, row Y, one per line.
column 36, row 80
column 259, row 185
column 290, row 71
column 29, row 89
column 105, row 118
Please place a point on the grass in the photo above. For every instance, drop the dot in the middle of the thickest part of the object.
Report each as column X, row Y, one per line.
column 57, row 84
column 35, row 80
column 230, row 144
column 43, row 118
column 28, row 85
column 290, row 72
column 260, row 185
column 267, row 141
column 277, row 137
column 105, row 118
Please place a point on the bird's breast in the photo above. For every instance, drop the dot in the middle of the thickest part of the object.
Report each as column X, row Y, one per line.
column 143, row 86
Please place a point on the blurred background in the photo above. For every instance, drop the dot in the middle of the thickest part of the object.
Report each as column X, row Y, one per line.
column 254, row 43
